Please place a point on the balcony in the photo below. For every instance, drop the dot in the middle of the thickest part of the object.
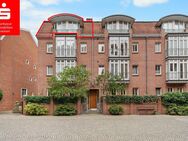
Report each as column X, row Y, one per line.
column 118, row 31
column 66, row 53
column 177, row 52
column 119, row 53
column 177, row 77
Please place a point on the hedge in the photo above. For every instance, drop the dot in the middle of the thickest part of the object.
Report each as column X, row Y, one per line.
column 180, row 99
column 65, row 100
column 122, row 99
column 38, row 99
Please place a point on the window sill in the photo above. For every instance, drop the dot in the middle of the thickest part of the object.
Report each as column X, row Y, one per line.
column 134, row 52
column 83, row 52
column 135, row 74
column 49, row 52
column 158, row 74
column 101, row 52
column 158, row 52
column 49, row 75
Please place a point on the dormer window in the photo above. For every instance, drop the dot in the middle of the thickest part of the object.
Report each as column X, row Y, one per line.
column 174, row 26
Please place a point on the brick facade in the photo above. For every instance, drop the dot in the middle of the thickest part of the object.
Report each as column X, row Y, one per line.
column 146, row 34
column 18, row 65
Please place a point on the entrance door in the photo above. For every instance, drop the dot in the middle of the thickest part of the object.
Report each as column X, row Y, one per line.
column 93, row 99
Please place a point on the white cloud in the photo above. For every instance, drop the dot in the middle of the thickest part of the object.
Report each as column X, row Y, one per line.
column 142, row 3
column 46, row 2
column 25, row 4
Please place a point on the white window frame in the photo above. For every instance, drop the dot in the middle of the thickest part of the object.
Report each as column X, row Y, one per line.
column 157, row 47
column 158, row 72
column 101, row 69
column 135, row 46
column 100, row 46
column 160, row 91
column 49, row 48
column 47, row 70
column 26, row 92
column 133, row 73
column 83, row 48
column 135, row 90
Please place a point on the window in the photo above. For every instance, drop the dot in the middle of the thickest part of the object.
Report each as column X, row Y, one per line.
column 157, row 47
column 23, row 92
column 101, row 48
column 49, row 70
column 48, row 92
column 135, row 48
column 101, row 69
column 27, row 61
column 135, row 91
column 170, row 90
column 135, row 69
column 157, row 69
column 49, row 47
column 83, row 48
column 158, row 91
column 180, row 90
column 61, row 64
column 34, row 67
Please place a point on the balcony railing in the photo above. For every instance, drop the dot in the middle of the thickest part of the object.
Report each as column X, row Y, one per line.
column 177, row 52
column 119, row 53
column 177, row 76
column 65, row 52
column 174, row 30
column 118, row 30
column 66, row 30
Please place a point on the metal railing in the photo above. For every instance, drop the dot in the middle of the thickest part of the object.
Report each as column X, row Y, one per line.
column 177, row 75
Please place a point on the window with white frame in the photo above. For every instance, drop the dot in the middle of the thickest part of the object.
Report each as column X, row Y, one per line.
column 23, row 92
column 135, row 69
column 101, row 70
column 65, row 47
column 174, row 26
column 61, row 64
column 135, row 47
column 101, row 48
column 158, row 91
column 49, row 70
column 118, row 46
column 170, row 89
column 157, row 47
column 83, row 48
column 180, row 90
column 158, row 69
column 135, row 91
column 49, row 48
column 119, row 67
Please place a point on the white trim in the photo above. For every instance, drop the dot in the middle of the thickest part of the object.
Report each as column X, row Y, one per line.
column 26, row 92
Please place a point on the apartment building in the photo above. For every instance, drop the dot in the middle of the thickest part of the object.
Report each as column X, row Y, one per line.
column 151, row 57
column 18, row 65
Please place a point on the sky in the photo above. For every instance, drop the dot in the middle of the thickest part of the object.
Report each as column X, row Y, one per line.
column 34, row 12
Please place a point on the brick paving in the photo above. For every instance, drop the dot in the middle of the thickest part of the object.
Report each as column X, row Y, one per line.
column 91, row 127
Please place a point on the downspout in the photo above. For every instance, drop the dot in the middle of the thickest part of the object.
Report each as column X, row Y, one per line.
column 146, row 58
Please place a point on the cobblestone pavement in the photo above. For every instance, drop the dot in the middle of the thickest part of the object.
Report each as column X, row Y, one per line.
column 15, row 127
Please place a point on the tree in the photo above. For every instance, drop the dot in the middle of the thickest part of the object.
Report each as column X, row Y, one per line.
column 110, row 84
column 71, row 82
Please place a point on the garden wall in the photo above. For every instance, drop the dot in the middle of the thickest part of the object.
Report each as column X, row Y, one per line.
column 137, row 109
column 52, row 106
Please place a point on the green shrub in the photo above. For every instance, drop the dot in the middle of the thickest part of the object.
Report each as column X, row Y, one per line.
column 35, row 109
column 115, row 110
column 1, row 95
column 65, row 100
column 65, row 110
column 38, row 99
column 180, row 99
column 123, row 99
column 177, row 110
column 137, row 99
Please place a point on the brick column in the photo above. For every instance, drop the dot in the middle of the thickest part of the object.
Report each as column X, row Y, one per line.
column 51, row 108
column 78, row 106
column 23, row 106
column 104, row 107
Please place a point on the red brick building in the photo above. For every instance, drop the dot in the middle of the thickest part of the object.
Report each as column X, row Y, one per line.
column 18, row 65
column 152, row 57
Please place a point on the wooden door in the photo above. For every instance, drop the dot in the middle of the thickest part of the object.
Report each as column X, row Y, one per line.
column 92, row 99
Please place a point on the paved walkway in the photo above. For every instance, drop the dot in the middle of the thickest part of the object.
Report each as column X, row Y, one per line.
column 15, row 127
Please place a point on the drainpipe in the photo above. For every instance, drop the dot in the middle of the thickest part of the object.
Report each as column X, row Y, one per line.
column 146, row 58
